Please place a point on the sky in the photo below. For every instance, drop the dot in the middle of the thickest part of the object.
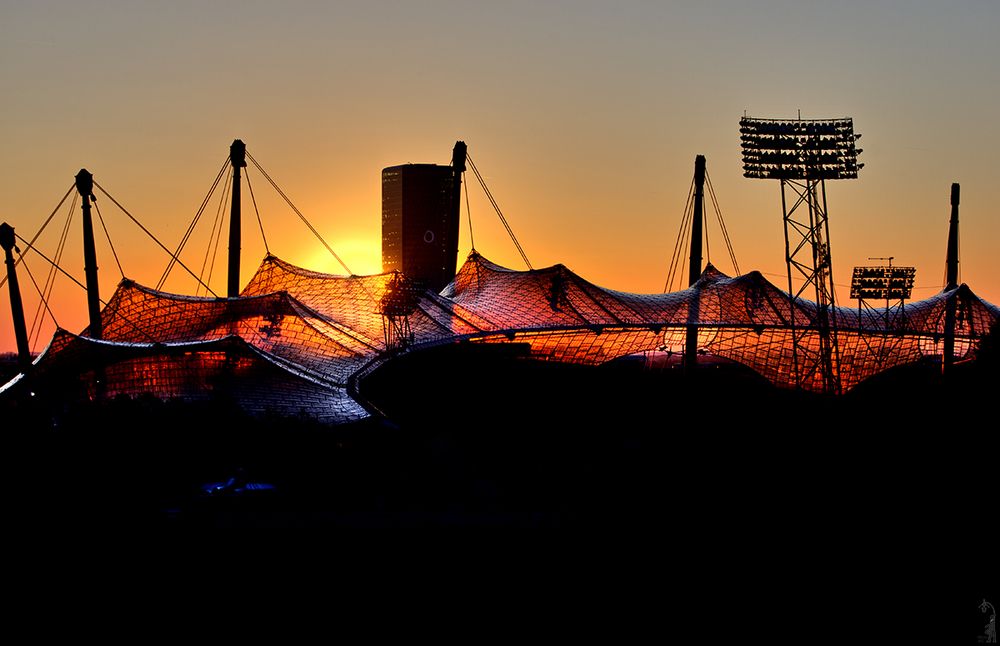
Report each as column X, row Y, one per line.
column 584, row 117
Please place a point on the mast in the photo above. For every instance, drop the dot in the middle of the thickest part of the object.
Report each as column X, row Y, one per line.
column 237, row 156
column 458, row 167
column 948, row 357
column 694, row 270
column 16, row 308
column 85, row 186
column 953, row 239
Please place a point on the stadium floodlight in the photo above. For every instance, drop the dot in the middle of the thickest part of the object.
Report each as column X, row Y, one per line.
column 818, row 149
column 802, row 154
column 882, row 283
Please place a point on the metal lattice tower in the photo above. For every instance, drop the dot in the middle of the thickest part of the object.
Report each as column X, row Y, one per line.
column 397, row 304
column 883, row 284
column 882, row 292
column 802, row 155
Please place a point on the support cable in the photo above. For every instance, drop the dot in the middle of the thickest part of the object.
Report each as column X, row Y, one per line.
column 83, row 287
column 50, row 278
column 53, row 263
column 154, row 239
column 679, row 241
column 218, row 242
column 216, row 235
column 684, row 254
column 45, row 302
column 108, row 236
column 191, row 226
column 675, row 257
column 468, row 211
column 257, row 211
column 72, row 187
column 299, row 213
column 496, row 207
column 187, row 234
column 311, row 228
column 722, row 224
column 704, row 226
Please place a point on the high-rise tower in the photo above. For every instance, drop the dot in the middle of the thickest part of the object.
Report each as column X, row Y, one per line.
column 420, row 213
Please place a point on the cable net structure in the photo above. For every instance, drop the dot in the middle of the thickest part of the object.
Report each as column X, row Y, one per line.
column 296, row 341
column 745, row 319
column 356, row 304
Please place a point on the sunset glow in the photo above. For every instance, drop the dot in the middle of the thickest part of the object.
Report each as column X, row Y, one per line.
column 585, row 118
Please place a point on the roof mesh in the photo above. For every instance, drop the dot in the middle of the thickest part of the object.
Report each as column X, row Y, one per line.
column 294, row 338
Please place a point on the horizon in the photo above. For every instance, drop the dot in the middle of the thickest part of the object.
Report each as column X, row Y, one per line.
column 568, row 109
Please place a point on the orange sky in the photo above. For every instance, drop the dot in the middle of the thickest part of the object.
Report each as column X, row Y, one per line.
column 585, row 118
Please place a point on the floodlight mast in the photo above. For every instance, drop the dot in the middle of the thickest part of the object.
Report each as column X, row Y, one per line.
column 894, row 283
column 802, row 155
column 888, row 284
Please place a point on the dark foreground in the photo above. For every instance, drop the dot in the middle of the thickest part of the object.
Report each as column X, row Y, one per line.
column 720, row 481
column 484, row 438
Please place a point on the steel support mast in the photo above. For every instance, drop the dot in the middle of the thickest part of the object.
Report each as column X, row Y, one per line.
column 85, row 186
column 7, row 242
column 694, row 266
column 237, row 156
column 948, row 356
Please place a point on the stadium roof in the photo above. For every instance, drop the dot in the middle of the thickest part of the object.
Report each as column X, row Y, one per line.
column 295, row 339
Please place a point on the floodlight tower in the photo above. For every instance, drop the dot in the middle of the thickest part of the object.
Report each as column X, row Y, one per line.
column 892, row 285
column 802, row 155
column 882, row 284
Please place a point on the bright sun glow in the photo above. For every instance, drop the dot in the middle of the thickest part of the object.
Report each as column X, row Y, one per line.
column 362, row 256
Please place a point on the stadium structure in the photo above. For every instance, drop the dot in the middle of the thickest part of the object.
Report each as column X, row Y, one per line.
column 299, row 342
